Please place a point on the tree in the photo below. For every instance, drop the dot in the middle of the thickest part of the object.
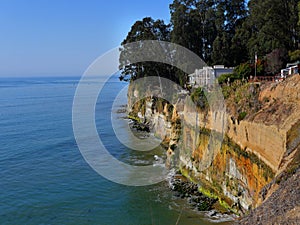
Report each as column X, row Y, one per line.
column 146, row 29
column 298, row 23
column 221, row 50
column 207, row 13
column 273, row 25
column 239, row 47
column 243, row 71
column 207, row 27
column 294, row 55
column 186, row 30
column 228, row 47
column 186, row 24
column 236, row 12
column 276, row 60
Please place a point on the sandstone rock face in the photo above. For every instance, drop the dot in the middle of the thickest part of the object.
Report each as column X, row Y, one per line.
column 267, row 142
column 252, row 150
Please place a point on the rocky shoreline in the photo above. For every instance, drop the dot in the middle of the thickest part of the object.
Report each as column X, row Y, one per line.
column 185, row 189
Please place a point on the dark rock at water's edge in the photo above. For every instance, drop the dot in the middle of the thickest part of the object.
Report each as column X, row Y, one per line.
column 144, row 127
column 122, row 110
column 185, row 189
column 139, row 125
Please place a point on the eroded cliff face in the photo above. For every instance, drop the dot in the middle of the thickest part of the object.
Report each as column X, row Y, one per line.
column 254, row 150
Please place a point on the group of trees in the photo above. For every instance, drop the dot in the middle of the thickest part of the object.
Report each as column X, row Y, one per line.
column 146, row 29
column 208, row 28
column 223, row 32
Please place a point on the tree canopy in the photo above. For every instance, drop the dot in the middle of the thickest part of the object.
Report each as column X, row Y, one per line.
column 146, row 29
column 222, row 32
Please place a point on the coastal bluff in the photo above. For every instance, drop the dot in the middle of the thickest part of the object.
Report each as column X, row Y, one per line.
column 259, row 151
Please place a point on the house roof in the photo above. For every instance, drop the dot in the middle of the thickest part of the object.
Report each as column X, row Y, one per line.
column 293, row 64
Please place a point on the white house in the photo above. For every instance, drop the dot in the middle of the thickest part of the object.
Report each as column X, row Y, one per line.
column 292, row 68
column 202, row 77
column 207, row 75
column 221, row 69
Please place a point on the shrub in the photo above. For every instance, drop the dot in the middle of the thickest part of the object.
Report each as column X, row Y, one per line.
column 243, row 71
column 229, row 77
column 242, row 116
column 199, row 98
column 295, row 55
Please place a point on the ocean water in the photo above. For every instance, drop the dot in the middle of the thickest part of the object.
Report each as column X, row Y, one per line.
column 43, row 176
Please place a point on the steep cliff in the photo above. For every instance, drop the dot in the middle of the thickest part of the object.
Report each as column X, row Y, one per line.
column 262, row 136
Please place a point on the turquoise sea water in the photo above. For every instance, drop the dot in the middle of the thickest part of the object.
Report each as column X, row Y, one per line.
column 44, row 178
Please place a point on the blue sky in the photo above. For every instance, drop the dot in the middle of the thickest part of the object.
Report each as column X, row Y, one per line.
column 62, row 37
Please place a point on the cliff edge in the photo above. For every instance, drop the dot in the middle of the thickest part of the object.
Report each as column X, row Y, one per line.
column 258, row 157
